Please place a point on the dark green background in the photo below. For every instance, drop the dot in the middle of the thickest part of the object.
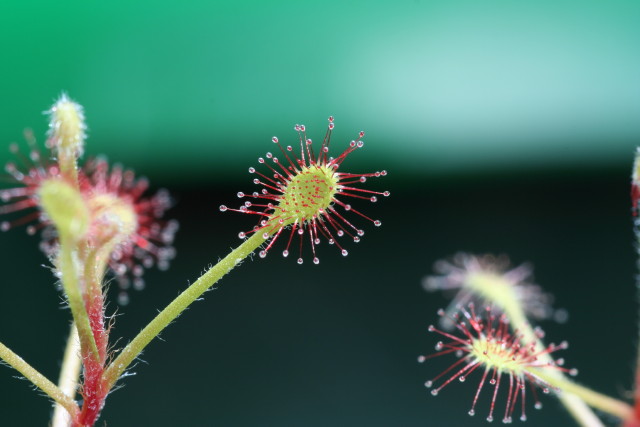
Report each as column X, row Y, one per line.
column 505, row 127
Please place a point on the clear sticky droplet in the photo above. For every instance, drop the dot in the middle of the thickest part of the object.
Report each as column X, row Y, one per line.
column 123, row 298
column 138, row 284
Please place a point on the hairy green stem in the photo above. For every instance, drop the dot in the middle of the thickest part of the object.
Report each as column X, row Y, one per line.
column 71, row 285
column 596, row 400
column 69, row 169
column 501, row 292
column 39, row 380
column 69, row 375
column 177, row 306
column 574, row 403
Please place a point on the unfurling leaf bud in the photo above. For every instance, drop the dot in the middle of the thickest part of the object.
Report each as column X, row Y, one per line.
column 113, row 220
column 67, row 133
column 66, row 208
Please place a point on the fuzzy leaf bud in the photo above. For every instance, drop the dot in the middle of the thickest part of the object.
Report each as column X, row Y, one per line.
column 67, row 132
column 65, row 206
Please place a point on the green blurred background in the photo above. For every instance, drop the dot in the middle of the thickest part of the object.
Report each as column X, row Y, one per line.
column 506, row 127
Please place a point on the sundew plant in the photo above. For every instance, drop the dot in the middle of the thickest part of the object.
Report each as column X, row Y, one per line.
column 488, row 333
column 98, row 226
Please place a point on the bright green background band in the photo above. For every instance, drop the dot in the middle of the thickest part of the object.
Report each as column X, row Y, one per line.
column 438, row 86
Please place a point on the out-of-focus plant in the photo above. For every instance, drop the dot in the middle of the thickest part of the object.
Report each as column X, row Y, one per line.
column 488, row 328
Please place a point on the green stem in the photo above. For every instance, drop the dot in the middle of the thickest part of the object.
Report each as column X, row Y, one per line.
column 39, row 380
column 69, row 169
column 596, row 400
column 177, row 306
column 580, row 411
column 71, row 287
column 574, row 403
column 501, row 292
column 68, row 381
